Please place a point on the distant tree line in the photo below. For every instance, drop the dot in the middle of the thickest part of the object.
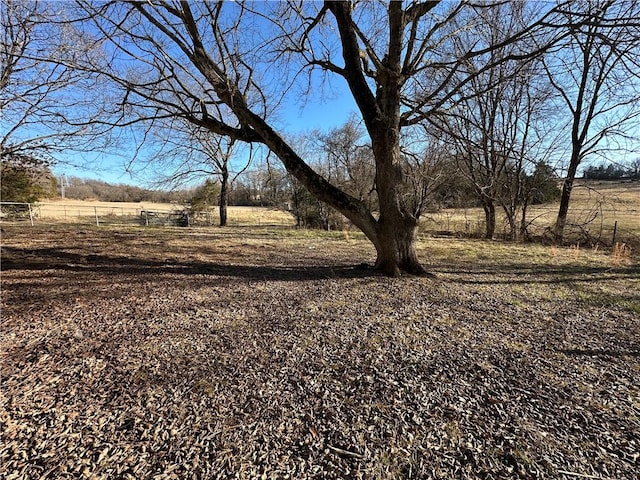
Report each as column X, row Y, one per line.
column 613, row 172
column 88, row 189
column 26, row 179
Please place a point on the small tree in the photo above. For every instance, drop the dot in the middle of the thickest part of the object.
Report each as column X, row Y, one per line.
column 205, row 196
column 540, row 186
column 24, row 179
column 190, row 152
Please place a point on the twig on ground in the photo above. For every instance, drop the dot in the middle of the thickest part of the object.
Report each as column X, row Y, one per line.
column 582, row 475
column 347, row 453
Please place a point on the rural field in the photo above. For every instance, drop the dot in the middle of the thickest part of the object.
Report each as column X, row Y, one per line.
column 263, row 352
column 597, row 208
column 83, row 212
column 602, row 213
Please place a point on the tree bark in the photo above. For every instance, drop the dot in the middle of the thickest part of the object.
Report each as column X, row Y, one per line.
column 396, row 248
column 224, row 196
column 513, row 227
column 395, row 233
column 523, row 222
column 490, row 219
column 565, row 199
column 561, row 221
column 511, row 213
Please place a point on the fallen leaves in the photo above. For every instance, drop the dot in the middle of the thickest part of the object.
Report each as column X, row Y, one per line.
column 284, row 367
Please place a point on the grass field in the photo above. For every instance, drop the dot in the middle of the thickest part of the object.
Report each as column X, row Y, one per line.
column 79, row 211
column 596, row 208
column 261, row 352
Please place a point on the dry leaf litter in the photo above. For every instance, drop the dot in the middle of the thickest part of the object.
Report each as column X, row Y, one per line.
column 136, row 355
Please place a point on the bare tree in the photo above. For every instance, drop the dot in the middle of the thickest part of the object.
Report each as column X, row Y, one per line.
column 42, row 110
column 348, row 160
column 596, row 73
column 206, row 63
column 185, row 152
column 633, row 168
column 499, row 128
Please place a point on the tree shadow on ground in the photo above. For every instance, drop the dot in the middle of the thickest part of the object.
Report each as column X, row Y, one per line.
column 519, row 273
column 14, row 258
column 297, row 269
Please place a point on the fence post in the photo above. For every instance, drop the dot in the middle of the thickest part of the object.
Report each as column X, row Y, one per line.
column 615, row 229
column 95, row 209
column 30, row 214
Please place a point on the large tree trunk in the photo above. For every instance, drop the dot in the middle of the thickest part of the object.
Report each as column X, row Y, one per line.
column 396, row 248
column 224, row 197
column 395, row 233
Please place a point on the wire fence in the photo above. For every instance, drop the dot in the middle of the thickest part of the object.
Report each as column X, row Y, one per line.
column 99, row 215
column 593, row 225
column 598, row 224
column 106, row 214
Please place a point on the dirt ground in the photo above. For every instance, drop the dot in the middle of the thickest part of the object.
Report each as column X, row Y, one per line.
column 261, row 353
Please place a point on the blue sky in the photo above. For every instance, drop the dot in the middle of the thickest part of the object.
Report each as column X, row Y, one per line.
column 321, row 113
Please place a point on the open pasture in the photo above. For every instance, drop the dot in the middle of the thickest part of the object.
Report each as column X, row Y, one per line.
column 263, row 353
column 597, row 208
column 64, row 210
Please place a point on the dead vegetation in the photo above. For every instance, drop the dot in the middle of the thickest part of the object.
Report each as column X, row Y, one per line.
column 254, row 353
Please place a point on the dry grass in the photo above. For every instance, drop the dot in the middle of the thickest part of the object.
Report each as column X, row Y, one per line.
column 262, row 353
column 596, row 207
column 61, row 208
column 80, row 211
